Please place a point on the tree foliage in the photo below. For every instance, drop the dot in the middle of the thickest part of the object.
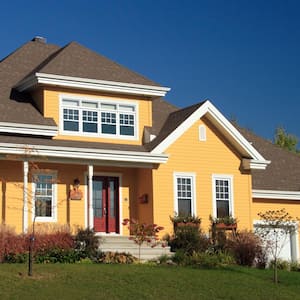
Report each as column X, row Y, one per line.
column 286, row 140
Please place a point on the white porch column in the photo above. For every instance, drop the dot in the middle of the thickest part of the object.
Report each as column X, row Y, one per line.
column 90, row 198
column 25, row 196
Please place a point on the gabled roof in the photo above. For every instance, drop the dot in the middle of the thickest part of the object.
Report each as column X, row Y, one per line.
column 75, row 60
column 283, row 174
column 180, row 121
column 79, row 67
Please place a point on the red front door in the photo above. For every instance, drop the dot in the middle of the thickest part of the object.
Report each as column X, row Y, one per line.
column 106, row 204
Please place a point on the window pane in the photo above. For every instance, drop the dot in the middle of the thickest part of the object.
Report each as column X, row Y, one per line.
column 222, row 208
column 90, row 121
column 126, row 107
column 127, row 130
column 90, row 104
column 97, row 198
column 108, row 121
column 184, row 207
column 108, row 106
column 71, row 119
column 71, row 102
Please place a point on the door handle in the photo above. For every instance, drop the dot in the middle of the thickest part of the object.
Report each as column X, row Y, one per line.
column 104, row 211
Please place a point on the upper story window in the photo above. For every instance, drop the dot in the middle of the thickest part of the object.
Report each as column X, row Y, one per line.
column 99, row 118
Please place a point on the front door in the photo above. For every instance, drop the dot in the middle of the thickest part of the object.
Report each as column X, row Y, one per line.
column 106, row 204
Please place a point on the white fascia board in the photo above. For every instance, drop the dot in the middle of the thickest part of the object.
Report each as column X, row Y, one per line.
column 224, row 124
column 92, row 84
column 255, row 164
column 273, row 194
column 82, row 153
column 31, row 129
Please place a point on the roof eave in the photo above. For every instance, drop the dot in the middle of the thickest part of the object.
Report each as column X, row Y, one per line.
column 30, row 129
column 91, row 84
column 217, row 118
column 84, row 154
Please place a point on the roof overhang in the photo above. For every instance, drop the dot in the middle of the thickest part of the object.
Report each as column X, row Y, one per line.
column 84, row 155
column 273, row 194
column 91, row 84
column 253, row 159
column 32, row 129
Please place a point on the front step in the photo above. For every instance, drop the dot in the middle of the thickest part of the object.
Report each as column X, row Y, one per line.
column 123, row 244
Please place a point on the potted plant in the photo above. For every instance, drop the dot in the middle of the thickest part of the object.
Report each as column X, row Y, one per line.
column 227, row 222
column 180, row 221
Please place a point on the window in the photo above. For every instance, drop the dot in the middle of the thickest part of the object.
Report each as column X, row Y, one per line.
column 44, row 197
column 202, row 133
column 184, row 194
column 223, row 200
column 99, row 118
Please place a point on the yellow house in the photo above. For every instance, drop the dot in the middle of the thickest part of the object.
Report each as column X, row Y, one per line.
column 87, row 142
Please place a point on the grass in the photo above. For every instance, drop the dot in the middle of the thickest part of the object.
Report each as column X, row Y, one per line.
column 95, row 281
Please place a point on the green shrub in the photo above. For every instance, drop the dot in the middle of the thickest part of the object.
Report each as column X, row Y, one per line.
column 12, row 258
column 87, row 243
column 57, row 255
column 281, row 264
column 115, row 258
column 208, row 260
column 295, row 266
column 189, row 239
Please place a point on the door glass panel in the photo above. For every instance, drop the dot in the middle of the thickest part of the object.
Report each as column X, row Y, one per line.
column 97, row 198
column 112, row 198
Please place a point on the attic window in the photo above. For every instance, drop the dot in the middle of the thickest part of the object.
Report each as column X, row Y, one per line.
column 98, row 118
column 202, row 133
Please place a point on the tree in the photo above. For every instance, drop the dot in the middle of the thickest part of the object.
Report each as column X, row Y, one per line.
column 286, row 140
column 275, row 229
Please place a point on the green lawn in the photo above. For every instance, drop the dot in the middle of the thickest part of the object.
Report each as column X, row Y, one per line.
column 95, row 281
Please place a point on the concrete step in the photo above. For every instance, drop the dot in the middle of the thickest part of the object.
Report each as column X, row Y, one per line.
column 124, row 244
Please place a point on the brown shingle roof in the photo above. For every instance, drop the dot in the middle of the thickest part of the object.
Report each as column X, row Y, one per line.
column 76, row 60
column 283, row 174
column 17, row 107
column 172, row 122
column 71, row 60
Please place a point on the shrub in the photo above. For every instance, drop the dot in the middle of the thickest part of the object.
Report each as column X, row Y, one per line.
column 87, row 243
column 281, row 264
column 189, row 239
column 245, row 247
column 208, row 260
column 11, row 244
column 115, row 258
column 57, row 255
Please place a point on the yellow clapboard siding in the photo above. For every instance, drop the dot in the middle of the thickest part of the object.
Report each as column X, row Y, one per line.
column 203, row 158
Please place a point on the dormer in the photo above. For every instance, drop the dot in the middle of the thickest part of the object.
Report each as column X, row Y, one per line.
column 91, row 97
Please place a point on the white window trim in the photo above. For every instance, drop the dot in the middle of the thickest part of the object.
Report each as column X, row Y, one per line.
column 231, row 202
column 97, row 100
column 192, row 176
column 54, row 197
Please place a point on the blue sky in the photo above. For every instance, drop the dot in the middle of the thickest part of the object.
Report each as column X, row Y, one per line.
column 242, row 55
